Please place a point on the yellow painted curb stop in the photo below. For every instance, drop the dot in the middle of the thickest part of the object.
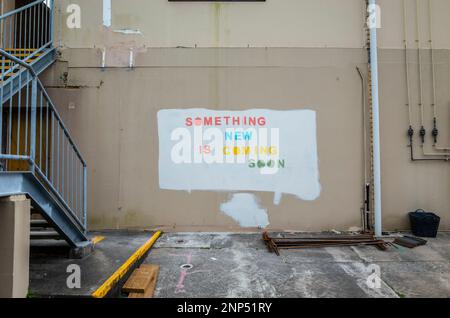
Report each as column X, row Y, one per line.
column 103, row 290
column 97, row 239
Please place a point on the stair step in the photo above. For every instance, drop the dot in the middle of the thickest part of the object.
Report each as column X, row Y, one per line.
column 24, row 54
column 44, row 235
column 39, row 223
column 19, row 50
column 6, row 66
column 9, row 74
column 7, row 62
column 34, row 211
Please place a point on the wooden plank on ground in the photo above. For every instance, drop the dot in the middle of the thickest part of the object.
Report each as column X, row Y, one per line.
column 137, row 282
column 153, row 272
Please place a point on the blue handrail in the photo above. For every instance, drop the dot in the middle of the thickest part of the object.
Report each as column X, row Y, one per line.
column 35, row 132
column 25, row 33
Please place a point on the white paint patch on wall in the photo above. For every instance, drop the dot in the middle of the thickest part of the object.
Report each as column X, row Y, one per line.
column 107, row 13
column 297, row 149
column 245, row 210
column 128, row 31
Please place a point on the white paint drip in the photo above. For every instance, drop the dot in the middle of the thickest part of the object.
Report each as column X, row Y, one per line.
column 103, row 58
column 277, row 198
column 131, row 59
column 107, row 13
column 244, row 209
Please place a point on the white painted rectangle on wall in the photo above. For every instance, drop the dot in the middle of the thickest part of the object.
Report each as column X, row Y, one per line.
column 107, row 13
column 250, row 150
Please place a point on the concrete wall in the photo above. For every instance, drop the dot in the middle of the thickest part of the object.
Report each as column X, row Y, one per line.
column 275, row 23
column 14, row 246
column 160, row 23
column 6, row 5
column 285, row 54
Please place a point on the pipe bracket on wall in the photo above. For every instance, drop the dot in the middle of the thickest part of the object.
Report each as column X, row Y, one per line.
column 423, row 133
column 410, row 132
column 435, row 131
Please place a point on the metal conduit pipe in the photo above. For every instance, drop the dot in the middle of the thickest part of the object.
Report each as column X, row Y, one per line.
column 365, row 208
column 433, row 71
column 411, row 146
column 376, row 118
column 411, row 129
column 419, row 55
column 407, row 64
column 422, row 130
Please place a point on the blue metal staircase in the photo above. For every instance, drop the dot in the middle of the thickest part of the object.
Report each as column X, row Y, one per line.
column 38, row 156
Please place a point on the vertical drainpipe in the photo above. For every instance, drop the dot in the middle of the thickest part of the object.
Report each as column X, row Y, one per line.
column 376, row 117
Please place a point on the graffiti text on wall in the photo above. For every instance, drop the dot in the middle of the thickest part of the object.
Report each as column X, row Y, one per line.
column 257, row 150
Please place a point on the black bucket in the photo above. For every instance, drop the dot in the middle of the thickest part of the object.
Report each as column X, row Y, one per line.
column 424, row 224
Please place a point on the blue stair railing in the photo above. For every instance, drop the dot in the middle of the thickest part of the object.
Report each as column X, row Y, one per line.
column 25, row 33
column 34, row 140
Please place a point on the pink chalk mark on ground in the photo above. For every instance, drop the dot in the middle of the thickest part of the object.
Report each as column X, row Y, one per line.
column 183, row 273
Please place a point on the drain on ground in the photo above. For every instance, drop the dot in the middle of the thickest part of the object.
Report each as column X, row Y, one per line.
column 186, row 266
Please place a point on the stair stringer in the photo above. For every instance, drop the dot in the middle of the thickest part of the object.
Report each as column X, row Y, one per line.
column 15, row 183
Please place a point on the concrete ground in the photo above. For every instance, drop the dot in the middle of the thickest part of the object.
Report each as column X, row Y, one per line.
column 239, row 265
column 49, row 263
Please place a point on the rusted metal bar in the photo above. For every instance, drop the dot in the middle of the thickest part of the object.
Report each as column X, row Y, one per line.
column 318, row 242
column 275, row 244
